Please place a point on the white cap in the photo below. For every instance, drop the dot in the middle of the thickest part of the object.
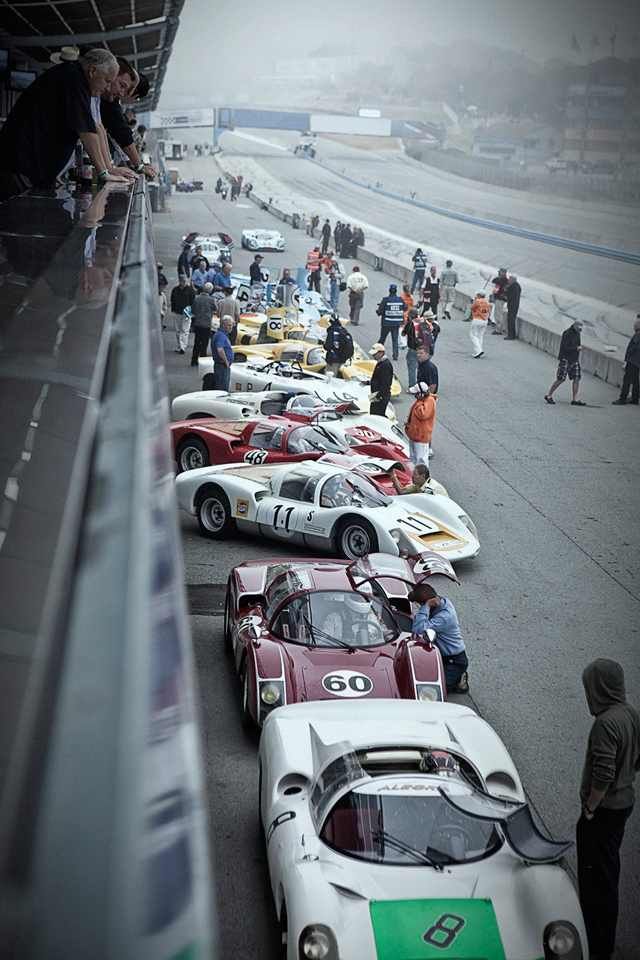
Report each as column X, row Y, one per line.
column 376, row 348
column 421, row 387
column 208, row 287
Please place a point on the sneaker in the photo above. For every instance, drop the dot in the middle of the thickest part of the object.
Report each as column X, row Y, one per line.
column 620, row 402
column 477, row 356
column 549, row 400
column 463, row 684
column 578, row 403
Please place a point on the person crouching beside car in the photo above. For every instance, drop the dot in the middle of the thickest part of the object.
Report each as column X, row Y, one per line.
column 420, row 423
column 439, row 614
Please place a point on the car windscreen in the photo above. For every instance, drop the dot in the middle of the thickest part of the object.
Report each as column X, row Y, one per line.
column 335, row 618
column 315, row 357
column 346, row 490
column 403, row 821
column 311, row 439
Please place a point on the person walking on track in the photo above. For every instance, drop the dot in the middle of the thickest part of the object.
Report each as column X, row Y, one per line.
column 357, row 283
column 568, row 364
column 480, row 313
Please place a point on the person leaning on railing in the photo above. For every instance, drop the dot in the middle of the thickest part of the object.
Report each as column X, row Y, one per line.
column 41, row 131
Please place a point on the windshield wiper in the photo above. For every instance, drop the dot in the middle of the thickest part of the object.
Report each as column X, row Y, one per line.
column 316, row 632
column 401, row 847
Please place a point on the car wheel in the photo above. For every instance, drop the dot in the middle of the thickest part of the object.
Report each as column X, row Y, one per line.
column 200, row 416
column 214, row 513
column 192, row 454
column 226, row 630
column 247, row 720
column 356, row 538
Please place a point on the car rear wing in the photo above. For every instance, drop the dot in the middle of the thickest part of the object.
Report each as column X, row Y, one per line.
column 516, row 822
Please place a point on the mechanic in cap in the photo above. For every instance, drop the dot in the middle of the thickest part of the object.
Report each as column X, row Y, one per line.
column 381, row 380
column 439, row 614
column 391, row 312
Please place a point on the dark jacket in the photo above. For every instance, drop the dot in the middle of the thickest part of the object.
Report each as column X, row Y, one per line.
column 335, row 343
column 391, row 309
column 114, row 122
column 613, row 750
column 428, row 373
column 184, row 262
column 513, row 291
column 182, row 297
column 255, row 273
column 326, row 230
column 382, row 378
column 632, row 354
column 569, row 343
column 202, row 310
column 499, row 287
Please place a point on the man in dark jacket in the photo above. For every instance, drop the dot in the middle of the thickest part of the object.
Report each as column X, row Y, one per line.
column 182, row 297
column 569, row 364
column 391, row 312
column 336, row 345
column 499, row 296
column 607, row 795
column 513, row 291
column 184, row 260
column 631, row 379
column 255, row 270
column 202, row 311
column 326, row 236
column 381, row 380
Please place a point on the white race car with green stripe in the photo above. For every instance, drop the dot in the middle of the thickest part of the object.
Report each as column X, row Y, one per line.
column 400, row 831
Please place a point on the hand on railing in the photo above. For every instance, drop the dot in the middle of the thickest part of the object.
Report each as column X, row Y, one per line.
column 121, row 175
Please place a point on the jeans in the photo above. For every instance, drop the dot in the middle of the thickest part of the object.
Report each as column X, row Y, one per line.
column 412, row 367
column 181, row 325
column 598, row 844
column 499, row 309
column 454, row 667
column 631, row 381
column 419, row 453
column 334, row 294
column 476, row 335
column 447, row 299
column 394, row 330
column 355, row 306
column 200, row 344
column 221, row 376
column 418, row 279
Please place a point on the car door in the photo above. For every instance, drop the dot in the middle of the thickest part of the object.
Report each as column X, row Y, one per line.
column 285, row 516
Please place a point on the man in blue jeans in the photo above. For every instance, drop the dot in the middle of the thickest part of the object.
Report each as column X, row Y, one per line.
column 222, row 353
column 439, row 614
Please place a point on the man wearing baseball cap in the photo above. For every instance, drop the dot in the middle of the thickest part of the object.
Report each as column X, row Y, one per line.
column 381, row 380
column 391, row 312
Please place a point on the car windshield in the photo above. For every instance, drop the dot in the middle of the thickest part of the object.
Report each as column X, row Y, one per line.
column 404, row 821
column 346, row 490
column 265, row 437
column 335, row 618
column 312, row 438
column 315, row 356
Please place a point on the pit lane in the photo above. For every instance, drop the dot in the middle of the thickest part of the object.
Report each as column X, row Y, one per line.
column 554, row 495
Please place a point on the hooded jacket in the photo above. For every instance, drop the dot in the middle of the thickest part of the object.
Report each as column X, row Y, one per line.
column 613, row 749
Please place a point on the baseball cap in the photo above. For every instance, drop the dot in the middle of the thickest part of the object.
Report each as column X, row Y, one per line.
column 258, row 256
column 376, row 348
column 208, row 287
column 421, row 387
column 393, row 288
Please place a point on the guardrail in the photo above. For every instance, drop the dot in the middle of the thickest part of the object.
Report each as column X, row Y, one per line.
column 103, row 844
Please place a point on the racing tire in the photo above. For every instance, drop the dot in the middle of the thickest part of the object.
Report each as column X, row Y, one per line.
column 355, row 538
column 191, row 454
column 214, row 513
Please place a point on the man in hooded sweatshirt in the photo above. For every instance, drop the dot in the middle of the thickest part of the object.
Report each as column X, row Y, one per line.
column 606, row 793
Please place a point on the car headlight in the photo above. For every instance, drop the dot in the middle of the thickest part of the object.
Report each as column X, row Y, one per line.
column 396, row 535
column 428, row 692
column 469, row 524
column 269, row 693
column 561, row 940
column 317, row 942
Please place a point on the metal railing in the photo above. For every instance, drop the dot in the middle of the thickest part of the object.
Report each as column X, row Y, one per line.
column 103, row 842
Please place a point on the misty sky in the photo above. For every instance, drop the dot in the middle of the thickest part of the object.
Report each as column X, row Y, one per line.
column 230, row 37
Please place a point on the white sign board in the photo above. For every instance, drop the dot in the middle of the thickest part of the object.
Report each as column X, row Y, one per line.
column 365, row 126
column 164, row 119
column 369, row 112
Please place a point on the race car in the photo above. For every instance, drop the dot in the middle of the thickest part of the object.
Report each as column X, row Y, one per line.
column 275, row 439
column 242, row 406
column 310, row 356
column 214, row 248
column 313, row 629
column 398, row 830
column 262, row 240
column 325, row 507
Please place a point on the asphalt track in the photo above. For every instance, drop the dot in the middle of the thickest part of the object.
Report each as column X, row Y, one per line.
column 608, row 224
column 554, row 493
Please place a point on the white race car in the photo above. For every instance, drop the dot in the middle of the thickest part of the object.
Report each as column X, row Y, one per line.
column 326, row 507
column 259, row 375
column 262, row 240
column 398, row 830
column 243, row 406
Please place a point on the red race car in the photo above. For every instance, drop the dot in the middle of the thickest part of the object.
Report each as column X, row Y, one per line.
column 276, row 439
column 321, row 629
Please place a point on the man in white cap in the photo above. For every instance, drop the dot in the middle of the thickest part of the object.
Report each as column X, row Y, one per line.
column 381, row 380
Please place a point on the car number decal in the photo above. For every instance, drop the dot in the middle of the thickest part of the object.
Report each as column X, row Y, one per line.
column 256, row 457
column 444, row 931
column 347, row 683
column 436, row 928
column 364, row 433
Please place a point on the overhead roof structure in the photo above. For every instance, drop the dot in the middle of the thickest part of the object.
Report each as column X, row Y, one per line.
column 143, row 31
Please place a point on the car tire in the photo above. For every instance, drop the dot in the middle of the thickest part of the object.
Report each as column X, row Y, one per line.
column 192, row 453
column 355, row 538
column 248, row 722
column 226, row 629
column 199, row 416
column 213, row 512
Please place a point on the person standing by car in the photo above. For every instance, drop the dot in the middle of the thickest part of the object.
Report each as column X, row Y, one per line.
column 419, row 261
column 448, row 284
column 222, row 353
column 417, row 336
column 420, row 423
column 480, row 313
column 568, row 364
column 202, row 311
column 499, row 296
column 255, row 270
column 611, row 764
column 391, row 312
column 338, row 345
column 326, row 237
column 631, row 379
column 439, row 614
column 357, row 283
column 314, row 267
column 513, row 292
column 381, row 381
column 184, row 261
column 427, row 370
column 228, row 306
column 182, row 296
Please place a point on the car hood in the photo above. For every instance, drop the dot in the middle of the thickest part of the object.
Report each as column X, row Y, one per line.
column 310, row 667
